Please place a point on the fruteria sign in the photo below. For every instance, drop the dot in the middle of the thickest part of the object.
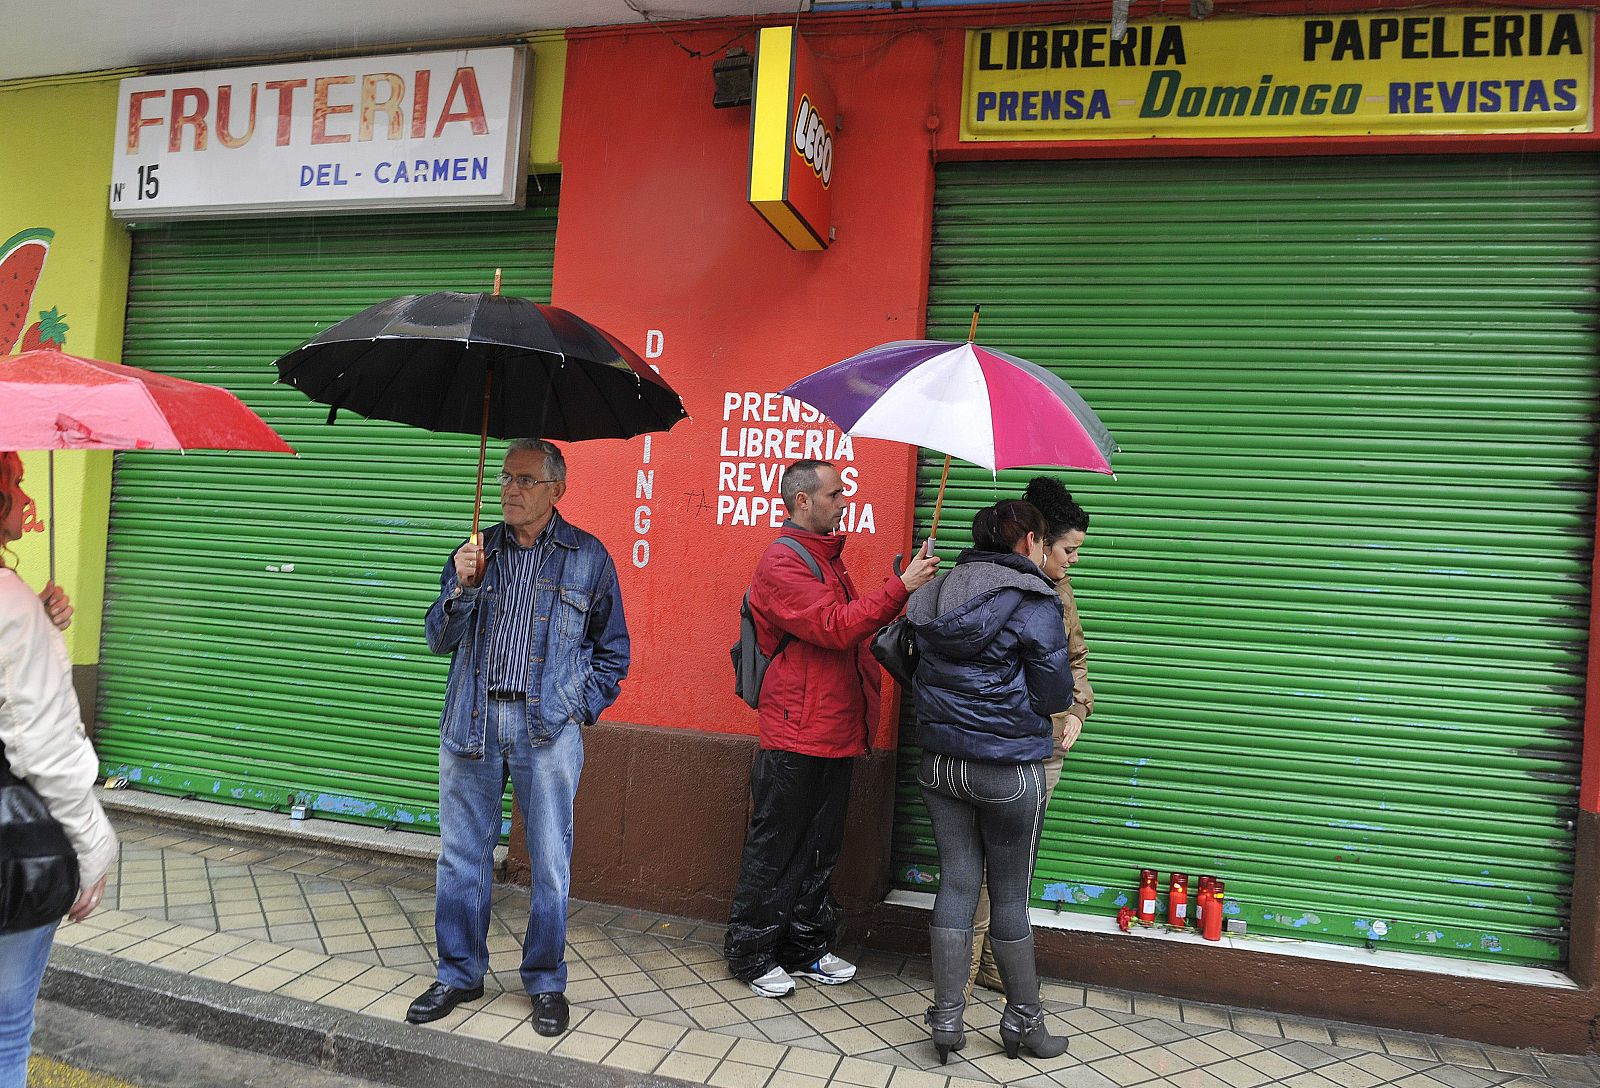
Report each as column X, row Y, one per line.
column 1392, row 74
column 424, row 130
column 792, row 124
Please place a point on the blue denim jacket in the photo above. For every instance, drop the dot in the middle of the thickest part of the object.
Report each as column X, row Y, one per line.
column 585, row 653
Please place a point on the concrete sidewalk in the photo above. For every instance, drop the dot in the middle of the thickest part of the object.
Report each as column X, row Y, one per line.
column 306, row 954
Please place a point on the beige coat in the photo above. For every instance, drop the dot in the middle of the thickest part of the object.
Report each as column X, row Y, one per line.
column 1078, row 655
column 42, row 730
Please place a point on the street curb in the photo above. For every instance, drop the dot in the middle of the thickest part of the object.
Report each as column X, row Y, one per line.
column 346, row 1043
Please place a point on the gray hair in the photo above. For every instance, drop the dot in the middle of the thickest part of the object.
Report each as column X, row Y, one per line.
column 798, row 477
column 554, row 463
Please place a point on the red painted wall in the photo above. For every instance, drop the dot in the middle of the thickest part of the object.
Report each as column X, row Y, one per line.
column 655, row 233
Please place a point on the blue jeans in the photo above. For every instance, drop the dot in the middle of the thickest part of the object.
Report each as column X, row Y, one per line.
column 544, row 777
column 22, row 959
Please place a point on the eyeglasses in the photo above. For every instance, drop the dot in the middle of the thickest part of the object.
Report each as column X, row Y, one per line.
column 524, row 483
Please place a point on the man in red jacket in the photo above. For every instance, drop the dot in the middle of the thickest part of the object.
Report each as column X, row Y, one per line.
column 819, row 702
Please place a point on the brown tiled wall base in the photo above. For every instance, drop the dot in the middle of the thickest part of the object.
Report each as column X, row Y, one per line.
column 661, row 815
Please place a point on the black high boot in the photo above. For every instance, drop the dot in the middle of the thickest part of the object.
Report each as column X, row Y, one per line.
column 952, row 960
column 1022, row 1024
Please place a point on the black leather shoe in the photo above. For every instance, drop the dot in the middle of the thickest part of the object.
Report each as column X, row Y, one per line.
column 550, row 1013
column 437, row 1001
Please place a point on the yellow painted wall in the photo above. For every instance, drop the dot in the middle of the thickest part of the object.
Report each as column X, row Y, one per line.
column 57, row 140
column 549, row 51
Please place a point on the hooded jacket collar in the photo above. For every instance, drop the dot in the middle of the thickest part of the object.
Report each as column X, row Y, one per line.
column 960, row 612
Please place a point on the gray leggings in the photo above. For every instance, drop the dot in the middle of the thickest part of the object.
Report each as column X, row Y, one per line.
column 984, row 814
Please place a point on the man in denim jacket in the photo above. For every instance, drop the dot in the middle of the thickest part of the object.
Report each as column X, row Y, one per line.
column 533, row 619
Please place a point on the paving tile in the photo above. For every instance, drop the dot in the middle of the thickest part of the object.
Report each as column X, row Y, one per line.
column 1231, row 1043
column 1357, row 1039
column 1461, row 1054
column 224, row 969
column 695, row 1068
column 1197, row 1078
column 584, row 1047
column 391, row 1006
column 1161, row 1061
column 706, row 1043
column 1417, row 1080
column 809, row 1062
column 1206, row 1015
column 1404, row 1046
column 1122, row 1070
column 1304, row 1054
column 1384, row 1067
column 265, row 977
column 1159, row 1031
column 1569, row 1069
column 355, row 998
column 858, row 1072
column 1515, row 1061
column 1236, row 1074
column 1457, row 1077
column 1103, row 999
column 1308, row 1080
column 782, row 1078
column 1194, row 1051
column 739, row 1075
column 635, row 1056
column 1350, row 1076
column 487, row 1026
column 1122, row 1040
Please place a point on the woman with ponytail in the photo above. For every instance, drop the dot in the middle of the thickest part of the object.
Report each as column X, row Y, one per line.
column 1066, row 525
column 992, row 671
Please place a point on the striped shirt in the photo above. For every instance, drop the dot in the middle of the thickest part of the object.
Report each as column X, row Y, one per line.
column 517, row 621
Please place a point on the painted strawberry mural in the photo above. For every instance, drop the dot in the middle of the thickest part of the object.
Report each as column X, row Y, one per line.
column 21, row 260
column 49, row 331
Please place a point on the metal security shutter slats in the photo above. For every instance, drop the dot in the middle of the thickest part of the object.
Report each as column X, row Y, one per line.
column 1337, row 603
column 263, row 636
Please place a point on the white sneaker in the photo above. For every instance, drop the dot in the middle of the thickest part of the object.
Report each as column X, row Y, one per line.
column 830, row 970
column 775, row 983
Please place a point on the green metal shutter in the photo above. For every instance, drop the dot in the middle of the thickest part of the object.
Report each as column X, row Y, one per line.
column 263, row 631
column 1337, row 602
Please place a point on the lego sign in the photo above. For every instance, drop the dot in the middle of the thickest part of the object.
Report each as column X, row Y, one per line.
column 1399, row 73
column 426, row 130
column 792, row 123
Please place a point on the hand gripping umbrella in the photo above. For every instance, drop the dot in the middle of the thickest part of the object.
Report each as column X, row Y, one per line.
column 55, row 401
column 483, row 364
column 963, row 399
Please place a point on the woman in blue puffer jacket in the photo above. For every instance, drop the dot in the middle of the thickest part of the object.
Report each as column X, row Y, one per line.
column 993, row 667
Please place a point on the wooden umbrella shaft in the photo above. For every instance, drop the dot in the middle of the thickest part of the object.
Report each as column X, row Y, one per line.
column 938, row 505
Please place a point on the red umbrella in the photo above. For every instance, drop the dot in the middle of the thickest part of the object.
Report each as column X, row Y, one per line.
column 56, row 401
column 50, row 400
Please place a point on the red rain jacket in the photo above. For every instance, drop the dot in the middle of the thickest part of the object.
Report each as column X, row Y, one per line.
column 820, row 695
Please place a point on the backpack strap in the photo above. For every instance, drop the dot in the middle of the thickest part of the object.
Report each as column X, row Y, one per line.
column 810, row 561
column 804, row 553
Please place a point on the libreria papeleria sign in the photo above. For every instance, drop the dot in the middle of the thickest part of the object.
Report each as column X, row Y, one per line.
column 1401, row 73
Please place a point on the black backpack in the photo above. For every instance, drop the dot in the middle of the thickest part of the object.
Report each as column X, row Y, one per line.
column 749, row 663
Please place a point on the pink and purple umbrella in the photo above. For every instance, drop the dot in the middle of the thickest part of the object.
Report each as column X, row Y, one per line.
column 962, row 399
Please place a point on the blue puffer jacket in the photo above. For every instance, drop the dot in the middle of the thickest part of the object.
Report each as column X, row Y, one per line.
column 993, row 664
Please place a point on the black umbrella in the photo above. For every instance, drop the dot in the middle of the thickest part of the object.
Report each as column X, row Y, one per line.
column 484, row 364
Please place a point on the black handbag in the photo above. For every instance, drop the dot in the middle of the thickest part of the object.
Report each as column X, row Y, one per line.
column 38, row 867
column 895, row 647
